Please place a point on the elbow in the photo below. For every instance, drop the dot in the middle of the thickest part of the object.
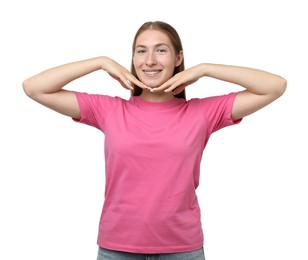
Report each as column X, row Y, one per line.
column 283, row 86
column 280, row 87
column 28, row 88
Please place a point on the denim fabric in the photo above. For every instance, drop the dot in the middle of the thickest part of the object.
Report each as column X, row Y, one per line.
column 105, row 254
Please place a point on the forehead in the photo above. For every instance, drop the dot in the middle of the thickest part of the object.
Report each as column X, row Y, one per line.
column 152, row 37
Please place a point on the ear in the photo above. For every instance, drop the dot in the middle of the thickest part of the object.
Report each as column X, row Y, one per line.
column 179, row 59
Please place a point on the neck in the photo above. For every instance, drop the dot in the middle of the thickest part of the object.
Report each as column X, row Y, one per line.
column 157, row 96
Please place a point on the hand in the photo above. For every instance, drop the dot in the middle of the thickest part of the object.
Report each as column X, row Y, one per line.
column 181, row 80
column 121, row 74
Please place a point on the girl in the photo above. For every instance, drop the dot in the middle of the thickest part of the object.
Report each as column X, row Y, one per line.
column 154, row 141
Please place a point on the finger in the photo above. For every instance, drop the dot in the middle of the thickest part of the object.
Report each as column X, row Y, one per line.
column 129, row 84
column 125, row 86
column 178, row 90
column 166, row 86
column 171, row 88
column 125, row 83
column 138, row 83
column 122, row 81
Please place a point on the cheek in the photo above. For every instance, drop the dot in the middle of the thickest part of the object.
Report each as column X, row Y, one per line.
column 137, row 67
column 137, row 61
column 170, row 66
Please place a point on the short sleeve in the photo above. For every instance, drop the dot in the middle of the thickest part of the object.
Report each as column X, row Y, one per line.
column 94, row 108
column 217, row 111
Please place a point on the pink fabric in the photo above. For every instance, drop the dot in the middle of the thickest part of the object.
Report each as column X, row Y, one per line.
column 152, row 164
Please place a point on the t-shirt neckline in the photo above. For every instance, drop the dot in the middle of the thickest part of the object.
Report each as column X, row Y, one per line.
column 140, row 102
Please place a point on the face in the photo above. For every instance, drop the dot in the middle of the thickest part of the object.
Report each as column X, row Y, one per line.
column 155, row 58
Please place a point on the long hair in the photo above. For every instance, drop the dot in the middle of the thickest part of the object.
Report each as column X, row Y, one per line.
column 175, row 41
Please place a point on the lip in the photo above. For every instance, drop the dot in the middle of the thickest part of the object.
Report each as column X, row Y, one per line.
column 151, row 73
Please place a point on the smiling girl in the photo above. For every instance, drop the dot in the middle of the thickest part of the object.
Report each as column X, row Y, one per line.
column 154, row 141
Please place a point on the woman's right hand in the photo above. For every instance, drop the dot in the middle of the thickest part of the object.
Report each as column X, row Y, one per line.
column 121, row 74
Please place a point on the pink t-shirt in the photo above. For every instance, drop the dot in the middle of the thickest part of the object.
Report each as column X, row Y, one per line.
column 153, row 152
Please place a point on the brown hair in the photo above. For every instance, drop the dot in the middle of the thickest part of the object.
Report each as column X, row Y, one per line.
column 175, row 41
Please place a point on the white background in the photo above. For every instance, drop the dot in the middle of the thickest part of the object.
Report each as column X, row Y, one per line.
column 253, row 190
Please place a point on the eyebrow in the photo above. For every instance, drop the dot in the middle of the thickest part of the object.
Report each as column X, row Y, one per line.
column 156, row 45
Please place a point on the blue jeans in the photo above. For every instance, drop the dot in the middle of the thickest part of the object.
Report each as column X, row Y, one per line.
column 105, row 254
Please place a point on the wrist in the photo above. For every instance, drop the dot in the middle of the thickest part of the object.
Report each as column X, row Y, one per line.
column 205, row 69
column 103, row 62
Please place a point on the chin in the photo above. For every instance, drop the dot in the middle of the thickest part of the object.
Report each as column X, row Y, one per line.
column 151, row 84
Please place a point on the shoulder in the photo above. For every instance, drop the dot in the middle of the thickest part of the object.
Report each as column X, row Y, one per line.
column 99, row 98
column 212, row 101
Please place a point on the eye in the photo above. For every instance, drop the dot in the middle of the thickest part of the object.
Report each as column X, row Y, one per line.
column 140, row 51
column 160, row 50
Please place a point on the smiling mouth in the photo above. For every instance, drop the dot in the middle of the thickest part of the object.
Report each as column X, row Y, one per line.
column 151, row 73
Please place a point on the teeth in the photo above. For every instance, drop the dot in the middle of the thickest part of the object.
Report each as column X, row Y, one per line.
column 151, row 72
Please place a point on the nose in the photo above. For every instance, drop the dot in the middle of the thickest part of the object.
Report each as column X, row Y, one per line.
column 151, row 59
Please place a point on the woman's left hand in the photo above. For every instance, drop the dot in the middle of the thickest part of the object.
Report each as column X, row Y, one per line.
column 181, row 80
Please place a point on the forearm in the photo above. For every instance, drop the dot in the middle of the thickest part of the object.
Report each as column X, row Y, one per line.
column 54, row 79
column 254, row 80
